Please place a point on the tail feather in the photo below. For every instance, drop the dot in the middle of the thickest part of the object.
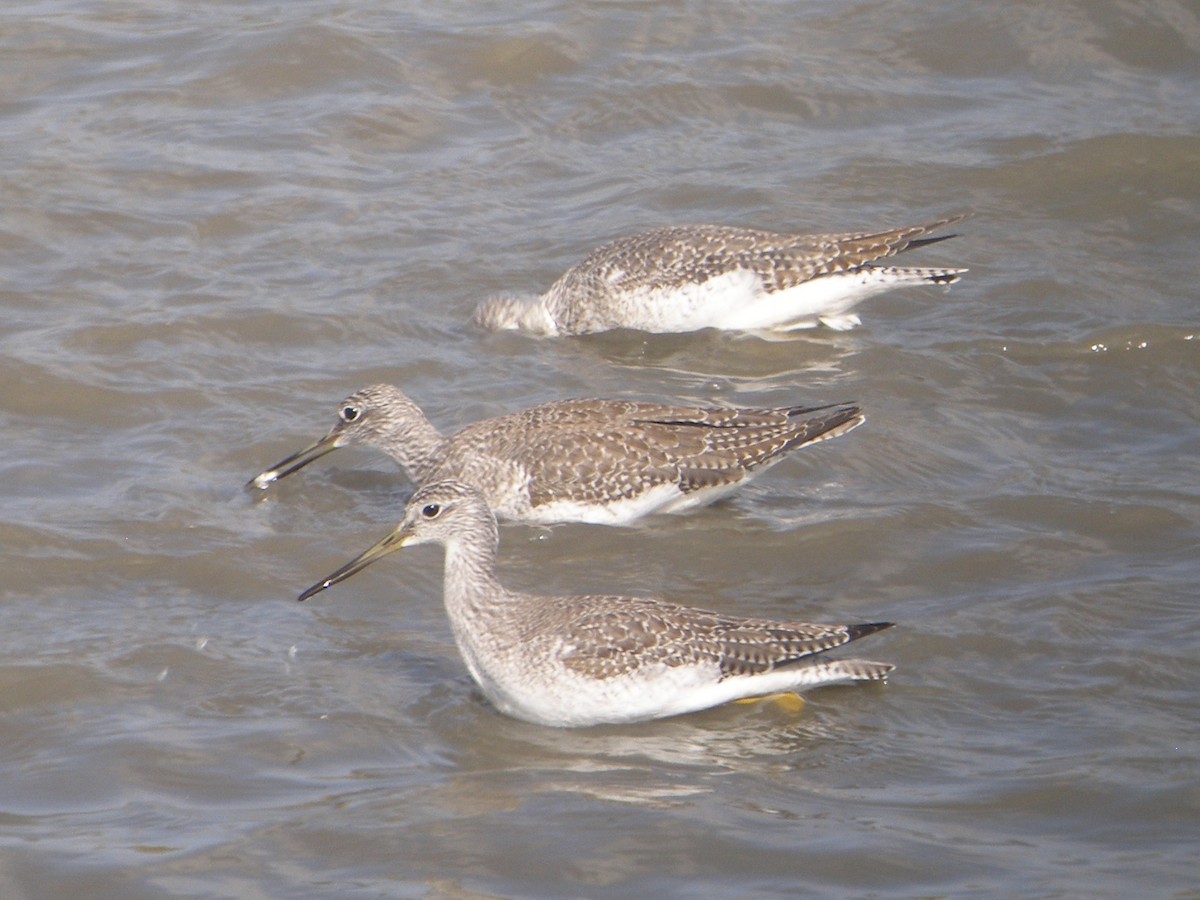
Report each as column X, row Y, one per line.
column 844, row 419
column 858, row 670
column 916, row 274
column 843, row 670
column 837, row 671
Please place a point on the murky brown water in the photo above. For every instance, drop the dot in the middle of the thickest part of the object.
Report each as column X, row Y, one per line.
column 220, row 218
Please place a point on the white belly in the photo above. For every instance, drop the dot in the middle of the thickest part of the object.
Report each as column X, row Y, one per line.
column 736, row 301
column 663, row 498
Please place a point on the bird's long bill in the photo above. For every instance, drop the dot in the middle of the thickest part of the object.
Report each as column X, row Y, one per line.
column 392, row 542
column 296, row 461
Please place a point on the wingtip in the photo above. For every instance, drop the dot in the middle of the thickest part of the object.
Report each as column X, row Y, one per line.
column 949, row 219
column 863, row 629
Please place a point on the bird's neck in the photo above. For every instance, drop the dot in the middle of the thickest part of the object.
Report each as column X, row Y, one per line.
column 509, row 313
column 471, row 589
column 418, row 453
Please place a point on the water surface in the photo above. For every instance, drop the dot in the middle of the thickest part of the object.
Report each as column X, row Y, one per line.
column 219, row 219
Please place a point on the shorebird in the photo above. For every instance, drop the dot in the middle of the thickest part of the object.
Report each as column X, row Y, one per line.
column 688, row 277
column 600, row 461
column 588, row 660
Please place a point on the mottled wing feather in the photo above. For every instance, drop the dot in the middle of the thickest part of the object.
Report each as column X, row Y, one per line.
column 846, row 252
column 613, row 636
column 618, row 635
column 754, row 647
column 757, row 436
column 665, row 257
column 603, row 450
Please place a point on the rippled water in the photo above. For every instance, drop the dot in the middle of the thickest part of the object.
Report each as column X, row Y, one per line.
column 220, row 218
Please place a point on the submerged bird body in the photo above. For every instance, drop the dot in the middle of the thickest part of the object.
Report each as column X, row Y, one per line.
column 587, row 660
column 688, row 277
column 599, row 461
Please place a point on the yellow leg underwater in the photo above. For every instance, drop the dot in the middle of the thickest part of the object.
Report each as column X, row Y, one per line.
column 787, row 701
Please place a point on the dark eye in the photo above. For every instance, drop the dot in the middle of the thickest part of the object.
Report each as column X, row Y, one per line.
column 350, row 413
column 432, row 511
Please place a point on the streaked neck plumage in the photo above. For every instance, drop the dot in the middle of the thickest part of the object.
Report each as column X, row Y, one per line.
column 509, row 313
column 417, row 449
column 471, row 589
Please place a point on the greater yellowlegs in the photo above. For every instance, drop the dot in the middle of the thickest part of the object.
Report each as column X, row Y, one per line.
column 601, row 461
column 587, row 660
column 688, row 277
